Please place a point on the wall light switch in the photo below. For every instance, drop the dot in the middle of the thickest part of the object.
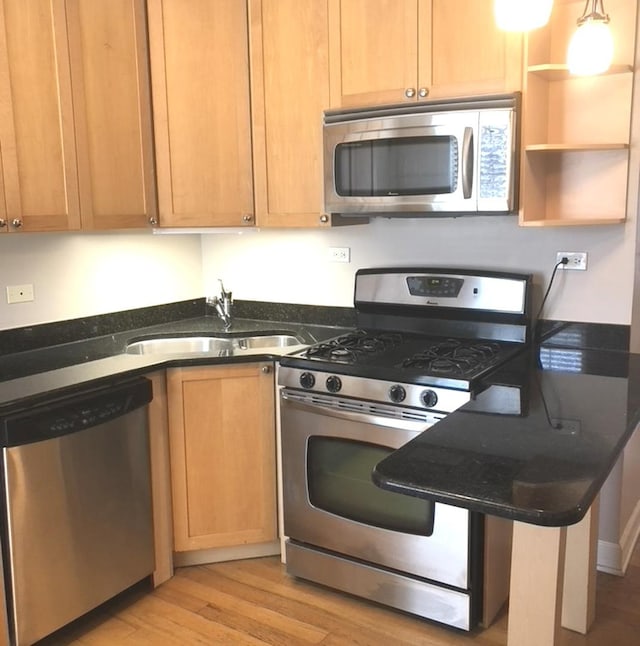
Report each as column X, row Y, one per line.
column 19, row 293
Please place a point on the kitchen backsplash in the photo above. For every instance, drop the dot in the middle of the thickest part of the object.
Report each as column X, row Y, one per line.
column 77, row 275
column 81, row 275
column 294, row 265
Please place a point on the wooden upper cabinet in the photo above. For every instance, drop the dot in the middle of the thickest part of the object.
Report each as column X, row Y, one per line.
column 112, row 103
column 289, row 90
column 469, row 54
column 37, row 139
column 374, row 50
column 75, row 131
column 389, row 51
column 202, row 117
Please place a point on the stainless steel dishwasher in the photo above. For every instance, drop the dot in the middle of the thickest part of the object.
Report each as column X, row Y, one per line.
column 77, row 520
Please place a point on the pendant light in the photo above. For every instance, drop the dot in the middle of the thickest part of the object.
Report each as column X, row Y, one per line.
column 521, row 15
column 591, row 46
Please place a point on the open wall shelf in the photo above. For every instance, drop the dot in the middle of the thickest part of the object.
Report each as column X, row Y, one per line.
column 576, row 130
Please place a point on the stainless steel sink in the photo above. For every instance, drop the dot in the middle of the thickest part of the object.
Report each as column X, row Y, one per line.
column 270, row 341
column 181, row 345
column 220, row 346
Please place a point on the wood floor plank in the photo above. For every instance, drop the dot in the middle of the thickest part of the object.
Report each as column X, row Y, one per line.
column 318, row 605
column 309, row 604
column 220, row 603
column 330, row 607
column 105, row 632
column 254, row 602
column 181, row 626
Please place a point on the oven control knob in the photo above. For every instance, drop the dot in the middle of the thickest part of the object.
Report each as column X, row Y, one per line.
column 307, row 380
column 397, row 394
column 429, row 398
column 334, row 384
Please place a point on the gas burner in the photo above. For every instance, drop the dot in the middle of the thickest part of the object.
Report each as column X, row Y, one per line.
column 453, row 356
column 348, row 348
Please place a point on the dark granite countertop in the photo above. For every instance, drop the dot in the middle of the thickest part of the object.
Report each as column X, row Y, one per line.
column 30, row 376
column 545, row 465
column 540, row 456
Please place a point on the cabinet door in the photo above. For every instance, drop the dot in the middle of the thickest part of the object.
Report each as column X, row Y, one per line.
column 112, row 104
column 466, row 53
column 222, row 443
column 374, row 51
column 289, row 90
column 389, row 51
column 36, row 123
column 160, row 479
column 200, row 87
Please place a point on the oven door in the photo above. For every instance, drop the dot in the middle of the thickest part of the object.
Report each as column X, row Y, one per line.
column 328, row 453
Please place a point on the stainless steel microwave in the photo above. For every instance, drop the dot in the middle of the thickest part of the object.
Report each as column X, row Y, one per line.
column 443, row 158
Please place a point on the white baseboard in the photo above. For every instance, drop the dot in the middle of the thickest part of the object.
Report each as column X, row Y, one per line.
column 630, row 536
column 609, row 558
column 613, row 558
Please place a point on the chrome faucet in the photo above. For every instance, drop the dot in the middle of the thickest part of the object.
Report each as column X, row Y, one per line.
column 223, row 305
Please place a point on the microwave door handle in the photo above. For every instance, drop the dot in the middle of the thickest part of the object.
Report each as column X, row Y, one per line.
column 467, row 163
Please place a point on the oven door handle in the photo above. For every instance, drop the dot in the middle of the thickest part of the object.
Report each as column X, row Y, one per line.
column 343, row 409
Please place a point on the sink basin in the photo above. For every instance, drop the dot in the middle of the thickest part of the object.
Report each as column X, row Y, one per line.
column 270, row 341
column 221, row 346
column 182, row 345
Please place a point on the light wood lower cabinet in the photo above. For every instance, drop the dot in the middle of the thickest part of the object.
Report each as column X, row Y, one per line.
column 160, row 479
column 223, row 461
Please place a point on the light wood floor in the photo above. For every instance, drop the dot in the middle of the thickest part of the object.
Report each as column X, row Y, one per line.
column 255, row 602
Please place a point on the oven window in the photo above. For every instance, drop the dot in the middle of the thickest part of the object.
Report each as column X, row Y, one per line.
column 339, row 481
column 397, row 166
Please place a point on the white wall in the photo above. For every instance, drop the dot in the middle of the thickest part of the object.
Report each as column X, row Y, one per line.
column 619, row 525
column 76, row 275
column 293, row 267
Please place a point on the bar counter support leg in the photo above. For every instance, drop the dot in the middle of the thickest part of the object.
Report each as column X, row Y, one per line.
column 535, row 595
column 579, row 595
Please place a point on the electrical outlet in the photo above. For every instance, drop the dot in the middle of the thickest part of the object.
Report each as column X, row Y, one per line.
column 577, row 259
column 339, row 254
column 19, row 293
column 566, row 426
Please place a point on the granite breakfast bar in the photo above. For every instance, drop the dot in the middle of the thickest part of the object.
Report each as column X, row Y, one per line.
column 540, row 461
column 542, row 468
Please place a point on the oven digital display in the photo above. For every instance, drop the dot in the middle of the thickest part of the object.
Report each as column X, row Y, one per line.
column 434, row 286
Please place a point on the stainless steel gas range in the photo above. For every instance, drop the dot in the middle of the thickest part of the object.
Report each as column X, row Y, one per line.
column 426, row 340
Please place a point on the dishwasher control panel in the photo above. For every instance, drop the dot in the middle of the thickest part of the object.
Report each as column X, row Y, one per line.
column 74, row 412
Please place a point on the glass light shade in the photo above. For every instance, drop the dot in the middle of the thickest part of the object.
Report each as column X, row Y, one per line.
column 522, row 15
column 590, row 49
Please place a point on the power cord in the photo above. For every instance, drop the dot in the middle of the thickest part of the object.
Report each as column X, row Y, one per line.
column 563, row 261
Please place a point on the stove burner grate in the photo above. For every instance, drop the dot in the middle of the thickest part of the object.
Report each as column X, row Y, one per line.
column 350, row 347
column 453, row 356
